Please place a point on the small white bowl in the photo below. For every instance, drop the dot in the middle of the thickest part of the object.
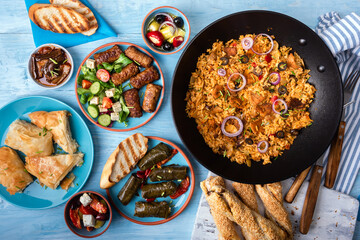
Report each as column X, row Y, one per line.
column 70, row 60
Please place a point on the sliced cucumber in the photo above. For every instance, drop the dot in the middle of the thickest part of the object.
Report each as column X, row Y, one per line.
column 104, row 120
column 95, row 88
column 93, row 111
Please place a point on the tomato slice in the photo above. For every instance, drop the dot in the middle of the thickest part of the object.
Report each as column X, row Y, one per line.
column 106, row 103
column 98, row 206
column 86, row 84
column 103, row 75
column 87, row 210
column 75, row 218
column 182, row 188
column 273, row 99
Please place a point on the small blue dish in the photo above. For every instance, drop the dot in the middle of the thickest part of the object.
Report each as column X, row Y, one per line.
column 173, row 11
column 35, row 196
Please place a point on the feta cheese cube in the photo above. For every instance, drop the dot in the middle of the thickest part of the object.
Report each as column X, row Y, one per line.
column 88, row 220
column 116, row 107
column 102, row 109
column 110, row 93
column 90, row 63
column 94, row 100
column 114, row 116
column 85, row 199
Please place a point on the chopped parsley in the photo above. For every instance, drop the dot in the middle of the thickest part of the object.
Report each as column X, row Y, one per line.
column 293, row 73
column 17, row 187
column 46, row 187
column 221, row 93
column 163, row 193
column 53, row 60
column 5, row 169
column 159, row 177
column 224, row 153
column 65, row 60
column 39, row 152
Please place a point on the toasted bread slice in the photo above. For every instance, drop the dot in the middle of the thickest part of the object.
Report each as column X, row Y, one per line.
column 123, row 159
column 58, row 19
column 82, row 9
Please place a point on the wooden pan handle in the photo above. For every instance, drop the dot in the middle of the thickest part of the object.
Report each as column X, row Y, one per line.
column 334, row 156
column 291, row 194
column 310, row 199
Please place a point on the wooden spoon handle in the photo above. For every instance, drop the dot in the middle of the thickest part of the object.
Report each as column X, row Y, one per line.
column 310, row 199
column 291, row 194
column 334, row 156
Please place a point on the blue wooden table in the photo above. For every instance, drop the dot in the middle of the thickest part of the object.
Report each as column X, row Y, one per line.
column 125, row 17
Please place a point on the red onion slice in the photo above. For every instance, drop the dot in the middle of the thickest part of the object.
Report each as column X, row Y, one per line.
column 278, row 78
column 242, row 86
column 283, row 102
column 266, row 146
column 272, row 44
column 170, row 24
column 247, row 43
column 222, row 72
column 238, row 132
column 166, row 15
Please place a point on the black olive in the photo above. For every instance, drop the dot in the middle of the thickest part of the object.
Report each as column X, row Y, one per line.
column 280, row 134
column 282, row 66
column 257, row 71
column 179, row 22
column 244, row 59
column 282, row 90
column 249, row 141
column 294, row 77
column 160, row 18
column 224, row 60
column 167, row 46
column 294, row 132
column 284, row 115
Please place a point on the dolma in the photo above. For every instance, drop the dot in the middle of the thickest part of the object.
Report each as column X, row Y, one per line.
column 168, row 173
column 152, row 209
column 129, row 189
column 155, row 190
column 159, row 153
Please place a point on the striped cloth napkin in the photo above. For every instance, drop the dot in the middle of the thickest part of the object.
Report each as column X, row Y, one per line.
column 342, row 36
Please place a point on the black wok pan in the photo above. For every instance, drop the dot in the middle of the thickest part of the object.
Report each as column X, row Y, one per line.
column 325, row 110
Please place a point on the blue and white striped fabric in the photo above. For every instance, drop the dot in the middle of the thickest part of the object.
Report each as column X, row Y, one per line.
column 342, row 36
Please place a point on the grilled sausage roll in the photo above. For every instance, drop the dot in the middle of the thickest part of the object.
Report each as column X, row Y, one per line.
column 147, row 76
column 151, row 97
column 109, row 56
column 129, row 71
column 139, row 57
column 152, row 209
column 132, row 100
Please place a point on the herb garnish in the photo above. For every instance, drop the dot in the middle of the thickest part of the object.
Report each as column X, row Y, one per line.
column 53, row 60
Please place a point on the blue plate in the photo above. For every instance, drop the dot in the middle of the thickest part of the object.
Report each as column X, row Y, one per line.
column 177, row 205
column 35, row 196
column 132, row 123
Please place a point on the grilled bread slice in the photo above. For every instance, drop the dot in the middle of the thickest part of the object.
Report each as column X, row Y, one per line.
column 123, row 159
column 82, row 9
column 58, row 19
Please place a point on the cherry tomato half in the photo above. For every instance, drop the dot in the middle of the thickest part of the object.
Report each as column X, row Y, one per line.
column 103, row 75
column 86, row 84
column 106, row 103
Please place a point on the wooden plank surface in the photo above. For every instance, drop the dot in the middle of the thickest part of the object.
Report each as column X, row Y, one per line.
column 125, row 17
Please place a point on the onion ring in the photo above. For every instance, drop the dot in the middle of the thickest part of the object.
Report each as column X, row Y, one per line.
column 221, row 72
column 278, row 79
column 242, row 86
column 271, row 40
column 247, row 43
column 266, row 146
column 238, row 132
column 170, row 24
column 283, row 102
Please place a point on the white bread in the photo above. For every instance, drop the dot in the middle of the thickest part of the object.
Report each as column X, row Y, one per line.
column 123, row 159
column 58, row 19
column 83, row 10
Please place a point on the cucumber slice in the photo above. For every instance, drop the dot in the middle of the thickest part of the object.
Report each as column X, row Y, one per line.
column 95, row 88
column 93, row 111
column 104, row 120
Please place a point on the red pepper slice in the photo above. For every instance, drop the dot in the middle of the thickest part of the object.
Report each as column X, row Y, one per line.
column 89, row 229
column 173, row 153
column 88, row 210
column 273, row 99
column 150, row 199
column 182, row 188
column 98, row 206
column 234, row 44
column 253, row 64
column 156, row 38
column 268, row 58
column 75, row 218
column 260, row 77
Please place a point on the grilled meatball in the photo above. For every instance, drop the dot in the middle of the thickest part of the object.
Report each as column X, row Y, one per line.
column 139, row 57
column 151, row 97
column 147, row 76
column 109, row 56
column 132, row 100
column 129, row 71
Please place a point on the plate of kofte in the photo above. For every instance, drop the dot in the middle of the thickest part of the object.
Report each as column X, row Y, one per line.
column 119, row 86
